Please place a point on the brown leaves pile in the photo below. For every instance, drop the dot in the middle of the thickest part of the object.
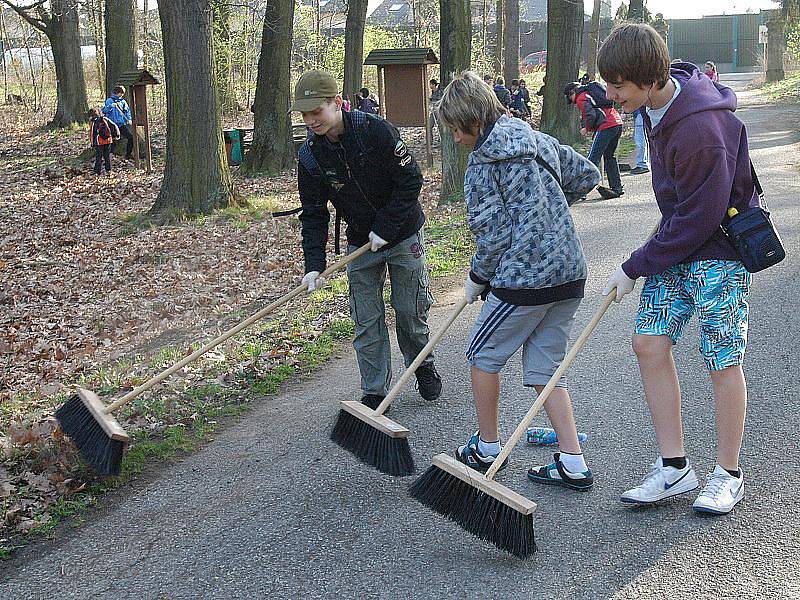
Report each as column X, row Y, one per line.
column 82, row 285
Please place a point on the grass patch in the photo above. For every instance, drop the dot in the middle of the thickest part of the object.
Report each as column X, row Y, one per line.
column 787, row 90
column 450, row 243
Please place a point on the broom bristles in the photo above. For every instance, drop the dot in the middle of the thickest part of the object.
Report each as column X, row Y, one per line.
column 103, row 453
column 371, row 446
column 476, row 511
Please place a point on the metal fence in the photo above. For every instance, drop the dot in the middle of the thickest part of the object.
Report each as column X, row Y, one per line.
column 730, row 41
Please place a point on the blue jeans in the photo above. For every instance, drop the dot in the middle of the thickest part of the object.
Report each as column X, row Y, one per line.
column 642, row 149
column 605, row 145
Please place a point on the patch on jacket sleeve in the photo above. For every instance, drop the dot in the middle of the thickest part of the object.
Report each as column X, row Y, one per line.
column 400, row 149
column 404, row 161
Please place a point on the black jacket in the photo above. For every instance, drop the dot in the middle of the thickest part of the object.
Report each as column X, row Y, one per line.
column 370, row 177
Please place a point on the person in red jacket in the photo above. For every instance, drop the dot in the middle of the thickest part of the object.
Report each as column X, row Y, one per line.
column 606, row 124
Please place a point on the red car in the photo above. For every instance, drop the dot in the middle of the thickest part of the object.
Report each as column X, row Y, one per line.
column 535, row 61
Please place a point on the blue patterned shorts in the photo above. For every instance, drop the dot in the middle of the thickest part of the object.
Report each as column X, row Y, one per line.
column 717, row 290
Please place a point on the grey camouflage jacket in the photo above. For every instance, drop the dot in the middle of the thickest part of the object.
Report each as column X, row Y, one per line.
column 525, row 236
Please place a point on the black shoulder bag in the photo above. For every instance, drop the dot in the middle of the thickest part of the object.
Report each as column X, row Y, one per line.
column 752, row 233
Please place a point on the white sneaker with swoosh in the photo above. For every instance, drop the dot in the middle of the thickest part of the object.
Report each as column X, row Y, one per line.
column 721, row 493
column 662, row 483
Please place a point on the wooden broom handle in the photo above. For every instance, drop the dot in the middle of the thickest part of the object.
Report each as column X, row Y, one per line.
column 423, row 354
column 340, row 264
column 542, row 398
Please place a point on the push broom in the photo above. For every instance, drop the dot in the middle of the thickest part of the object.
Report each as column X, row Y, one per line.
column 86, row 420
column 475, row 501
column 478, row 503
column 374, row 438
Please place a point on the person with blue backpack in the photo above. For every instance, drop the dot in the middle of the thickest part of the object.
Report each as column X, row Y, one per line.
column 358, row 162
column 119, row 113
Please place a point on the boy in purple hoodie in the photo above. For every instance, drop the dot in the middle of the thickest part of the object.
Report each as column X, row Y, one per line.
column 701, row 166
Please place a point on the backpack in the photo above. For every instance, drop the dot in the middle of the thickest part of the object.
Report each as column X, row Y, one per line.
column 598, row 93
column 103, row 131
column 595, row 116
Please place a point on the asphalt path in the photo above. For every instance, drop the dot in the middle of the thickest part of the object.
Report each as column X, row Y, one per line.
column 273, row 508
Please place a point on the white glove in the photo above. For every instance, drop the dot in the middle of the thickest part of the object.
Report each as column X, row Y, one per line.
column 377, row 241
column 313, row 280
column 472, row 290
column 622, row 283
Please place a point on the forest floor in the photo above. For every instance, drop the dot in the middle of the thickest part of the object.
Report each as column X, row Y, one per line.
column 94, row 295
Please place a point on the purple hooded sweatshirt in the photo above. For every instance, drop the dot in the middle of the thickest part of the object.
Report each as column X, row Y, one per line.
column 700, row 165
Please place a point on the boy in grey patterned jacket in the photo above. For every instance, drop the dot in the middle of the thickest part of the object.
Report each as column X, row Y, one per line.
column 530, row 258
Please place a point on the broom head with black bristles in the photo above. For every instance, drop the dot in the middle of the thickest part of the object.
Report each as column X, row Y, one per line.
column 98, row 435
column 481, row 506
column 374, row 439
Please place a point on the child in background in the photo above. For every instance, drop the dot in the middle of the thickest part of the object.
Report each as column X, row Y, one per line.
column 711, row 71
column 367, row 103
column 102, row 133
column 529, row 256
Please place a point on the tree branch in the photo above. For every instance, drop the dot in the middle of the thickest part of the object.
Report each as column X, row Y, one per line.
column 39, row 24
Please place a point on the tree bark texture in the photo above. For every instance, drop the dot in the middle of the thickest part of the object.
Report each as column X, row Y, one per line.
column 354, row 46
column 511, row 40
column 272, row 150
column 564, row 33
column 454, row 52
column 776, row 47
column 197, row 179
column 498, row 44
column 636, row 10
column 594, row 38
column 223, row 59
column 121, row 40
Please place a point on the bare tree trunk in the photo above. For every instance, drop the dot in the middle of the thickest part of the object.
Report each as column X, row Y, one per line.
column 197, row 179
column 272, row 150
column 564, row 33
column 223, row 55
column 121, row 40
column 776, row 47
column 636, row 10
column 62, row 31
column 454, row 50
column 498, row 46
column 594, row 38
column 511, row 40
column 95, row 10
column 354, row 46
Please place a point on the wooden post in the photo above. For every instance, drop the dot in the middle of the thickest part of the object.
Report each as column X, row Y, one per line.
column 428, row 126
column 134, row 131
column 382, row 105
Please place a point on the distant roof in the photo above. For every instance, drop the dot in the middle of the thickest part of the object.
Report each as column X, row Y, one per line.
column 402, row 56
column 137, row 77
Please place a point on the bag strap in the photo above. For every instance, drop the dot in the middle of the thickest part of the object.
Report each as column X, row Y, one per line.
column 756, row 183
column 545, row 165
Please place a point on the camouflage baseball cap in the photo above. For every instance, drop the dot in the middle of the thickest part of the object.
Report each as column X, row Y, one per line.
column 312, row 89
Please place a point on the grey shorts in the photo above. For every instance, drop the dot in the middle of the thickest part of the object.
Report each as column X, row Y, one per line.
column 541, row 331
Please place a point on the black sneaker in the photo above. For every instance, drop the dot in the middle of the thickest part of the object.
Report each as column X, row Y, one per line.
column 639, row 171
column 608, row 193
column 429, row 383
column 372, row 401
column 556, row 474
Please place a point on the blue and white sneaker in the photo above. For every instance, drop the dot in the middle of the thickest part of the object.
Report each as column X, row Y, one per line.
column 662, row 483
column 556, row 474
column 469, row 455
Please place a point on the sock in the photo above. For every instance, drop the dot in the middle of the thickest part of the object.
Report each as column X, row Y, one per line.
column 679, row 462
column 735, row 473
column 488, row 448
column 573, row 463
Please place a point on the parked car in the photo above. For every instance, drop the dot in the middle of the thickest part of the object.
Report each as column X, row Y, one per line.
column 535, row 61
